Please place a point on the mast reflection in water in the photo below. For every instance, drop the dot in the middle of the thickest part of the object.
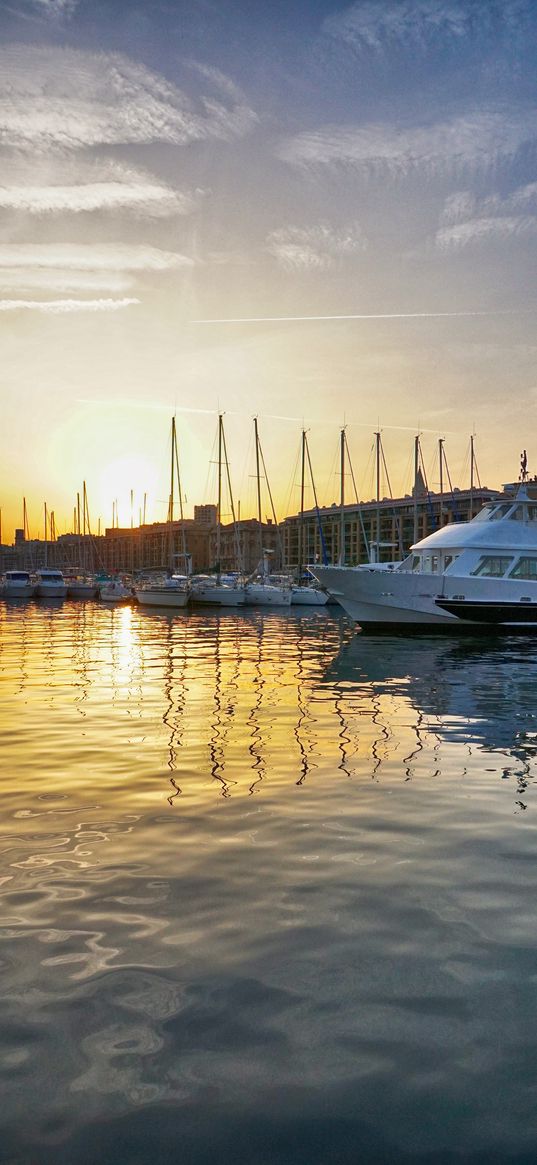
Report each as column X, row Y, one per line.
column 268, row 891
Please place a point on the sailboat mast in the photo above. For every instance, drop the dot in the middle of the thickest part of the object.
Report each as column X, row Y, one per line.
column 441, row 465
column 301, row 525
column 342, row 499
column 172, row 491
column 377, row 459
column 219, row 506
column 258, row 478
column 416, row 471
column 471, row 475
column 46, row 542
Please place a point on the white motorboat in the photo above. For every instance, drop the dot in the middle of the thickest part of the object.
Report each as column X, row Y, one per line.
column 17, row 584
column 477, row 574
column 211, row 591
column 169, row 592
column 114, row 590
column 82, row 587
column 50, row 584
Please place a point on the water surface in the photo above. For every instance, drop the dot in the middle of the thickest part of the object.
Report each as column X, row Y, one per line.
column 268, row 891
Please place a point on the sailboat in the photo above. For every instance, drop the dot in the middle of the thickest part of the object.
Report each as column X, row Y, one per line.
column 306, row 591
column 261, row 590
column 18, row 584
column 83, row 584
column 50, row 583
column 172, row 591
column 214, row 590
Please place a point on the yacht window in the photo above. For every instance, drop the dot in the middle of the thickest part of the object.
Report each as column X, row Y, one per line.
column 525, row 568
column 493, row 566
column 434, row 563
column 501, row 511
column 485, row 513
column 448, row 559
column 416, row 562
column 532, row 513
column 518, row 514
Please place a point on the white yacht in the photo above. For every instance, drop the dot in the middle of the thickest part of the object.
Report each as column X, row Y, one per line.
column 114, row 590
column 82, row 587
column 164, row 592
column 214, row 591
column 50, row 584
column 17, row 584
column 262, row 591
column 481, row 573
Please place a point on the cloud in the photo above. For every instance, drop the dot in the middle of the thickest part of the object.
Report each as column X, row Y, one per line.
column 66, row 306
column 480, row 230
column 89, row 257
column 375, row 26
column 82, row 187
column 314, row 248
column 469, row 221
column 475, row 141
column 60, row 281
column 63, row 98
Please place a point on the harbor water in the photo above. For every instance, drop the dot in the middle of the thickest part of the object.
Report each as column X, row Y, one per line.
column 268, row 891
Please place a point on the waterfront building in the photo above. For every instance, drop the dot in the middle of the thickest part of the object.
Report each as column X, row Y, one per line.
column 375, row 531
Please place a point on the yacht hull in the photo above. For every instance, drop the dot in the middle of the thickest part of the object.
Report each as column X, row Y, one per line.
column 308, row 597
column 215, row 596
column 265, row 595
column 51, row 590
column 18, row 590
column 82, row 590
column 162, row 597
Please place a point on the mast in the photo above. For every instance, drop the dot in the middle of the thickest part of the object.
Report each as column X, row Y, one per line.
column 377, row 458
column 46, row 542
column 416, row 471
column 219, row 506
column 258, row 478
column 171, row 500
column 441, row 464
column 301, row 524
column 471, row 476
column 342, row 499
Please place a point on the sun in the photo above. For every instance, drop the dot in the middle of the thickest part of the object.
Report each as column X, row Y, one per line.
column 116, row 480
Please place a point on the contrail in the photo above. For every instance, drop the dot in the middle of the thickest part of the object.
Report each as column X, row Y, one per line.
column 399, row 315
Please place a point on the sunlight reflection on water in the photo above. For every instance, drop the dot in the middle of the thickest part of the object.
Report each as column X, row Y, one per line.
column 267, row 890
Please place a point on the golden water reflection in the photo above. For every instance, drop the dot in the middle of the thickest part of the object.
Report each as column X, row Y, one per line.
column 242, row 702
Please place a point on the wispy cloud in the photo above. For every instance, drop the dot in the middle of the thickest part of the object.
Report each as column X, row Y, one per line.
column 477, row 140
column 78, row 187
column 379, row 25
column 66, row 306
column 53, row 98
column 470, row 221
column 89, row 257
column 58, row 281
column 315, row 248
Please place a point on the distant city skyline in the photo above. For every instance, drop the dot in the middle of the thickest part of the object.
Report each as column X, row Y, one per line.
column 347, row 191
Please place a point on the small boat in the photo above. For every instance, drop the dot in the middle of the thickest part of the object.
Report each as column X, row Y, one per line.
column 82, row 587
column 50, row 584
column 114, row 590
column 261, row 591
column 168, row 592
column 17, row 584
column 215, row 592
column 308, row 595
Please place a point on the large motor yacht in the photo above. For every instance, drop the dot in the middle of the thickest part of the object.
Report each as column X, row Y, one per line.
column 481, row 573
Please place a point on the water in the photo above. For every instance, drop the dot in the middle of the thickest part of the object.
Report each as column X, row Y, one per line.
column 268, row 892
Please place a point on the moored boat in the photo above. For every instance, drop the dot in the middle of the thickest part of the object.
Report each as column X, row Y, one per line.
column 82, row 587
column 476, row 574
column 50, row 584
column 17, row 584
column 115, row 590
column 168, row 592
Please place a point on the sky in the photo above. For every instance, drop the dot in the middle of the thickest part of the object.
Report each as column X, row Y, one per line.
column 318, row 214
